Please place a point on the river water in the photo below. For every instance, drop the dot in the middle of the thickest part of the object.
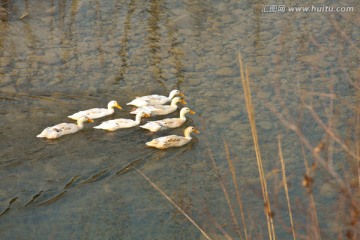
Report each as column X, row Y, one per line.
column 60, row 57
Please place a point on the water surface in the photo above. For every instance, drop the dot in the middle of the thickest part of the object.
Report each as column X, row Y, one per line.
column 57, row 58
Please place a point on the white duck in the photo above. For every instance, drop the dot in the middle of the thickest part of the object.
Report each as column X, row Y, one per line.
column 64, row 128
column 154, row 99
column 94, row 113
column 115, row 124
column 166, row 123
column 157, row 110
column 172, row 140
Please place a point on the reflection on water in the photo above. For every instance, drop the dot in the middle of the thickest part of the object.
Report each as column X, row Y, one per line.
column 57, row 58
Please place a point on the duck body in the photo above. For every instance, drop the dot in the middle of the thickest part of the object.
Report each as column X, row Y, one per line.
column 63, row 128
column 172, row 140
column 115, row 124
column 166, row 123
column 158, row 110
column 94, row 113
column 154, row 99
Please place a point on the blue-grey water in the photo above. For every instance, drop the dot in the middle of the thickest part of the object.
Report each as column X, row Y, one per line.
column 60, row 57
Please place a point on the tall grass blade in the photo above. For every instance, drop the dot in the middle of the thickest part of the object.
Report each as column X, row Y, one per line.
column 237, row 191
column 226, row 194
column 173, row 203
column 286, row 187
column 249, row 107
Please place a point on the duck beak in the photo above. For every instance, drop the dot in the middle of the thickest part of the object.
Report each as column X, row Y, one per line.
column 196, row 131
column 192, row 112
column 147, row 115
column 90, row 120
column 118, row 106
column 181, row 94
column 183, row 101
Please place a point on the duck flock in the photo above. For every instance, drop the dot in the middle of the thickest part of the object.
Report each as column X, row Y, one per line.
column 147, row 106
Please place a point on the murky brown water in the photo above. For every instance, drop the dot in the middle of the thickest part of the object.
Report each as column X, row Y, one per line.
column 57, row 58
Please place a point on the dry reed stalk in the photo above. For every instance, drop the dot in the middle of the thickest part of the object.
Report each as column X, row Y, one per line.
column 342, row 184
column 251, row 115
column 173, row 203
column 330, row 123
column 307, row 183
column 290, row 125
column 357, row 145
column 223, row 232
column 314, row 216
column 357, row 149
column 232, row 212
column 286, row 187
column 218, row 226
column 237, row 191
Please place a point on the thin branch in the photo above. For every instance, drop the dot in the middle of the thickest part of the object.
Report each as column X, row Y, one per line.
column 308, row 181
column 173, row 203
column 237, row 191
column 226, row 194
column 332, row 134
column 251, row 115
column 286, row 187
column 343, row 185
